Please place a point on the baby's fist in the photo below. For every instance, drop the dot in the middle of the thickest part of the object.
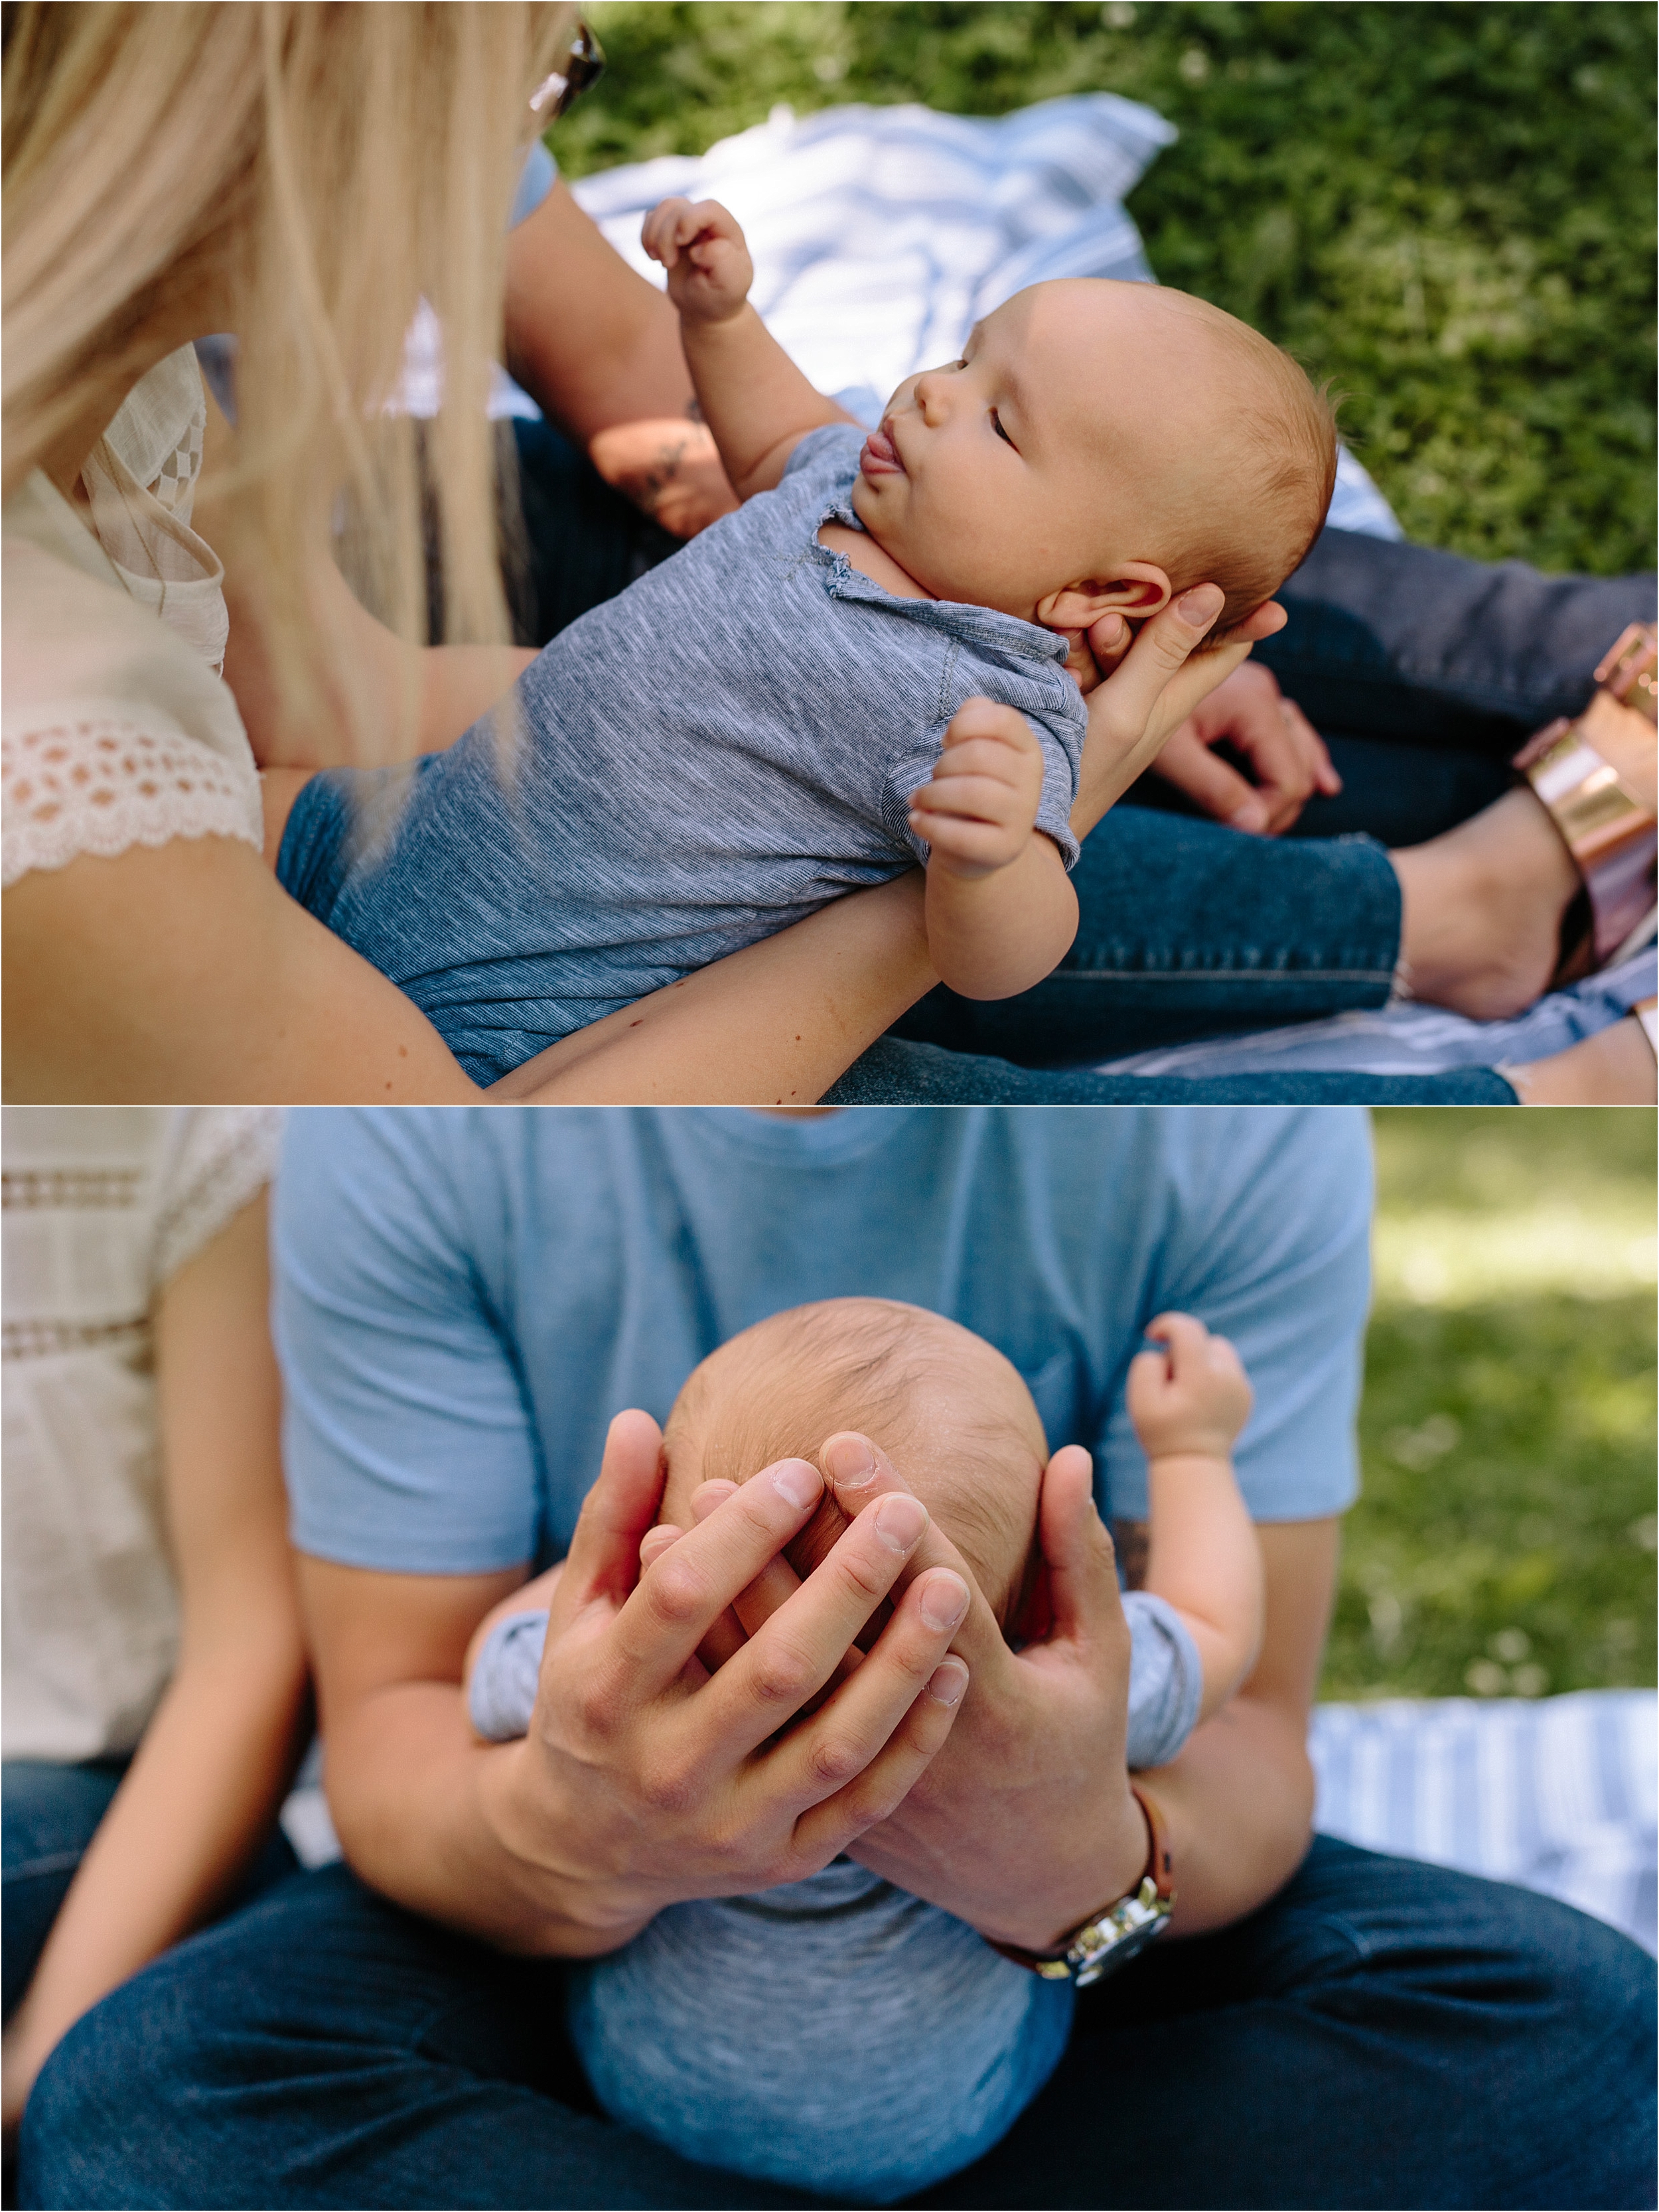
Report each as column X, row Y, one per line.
column 978, row 812
column 1194, row 1398
column 702, row 249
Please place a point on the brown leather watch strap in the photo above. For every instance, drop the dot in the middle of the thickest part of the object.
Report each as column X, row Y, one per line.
column 1159, row 1870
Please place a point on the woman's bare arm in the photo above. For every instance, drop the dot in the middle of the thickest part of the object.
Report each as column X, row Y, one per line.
column 218, row 1756
column 182, row 972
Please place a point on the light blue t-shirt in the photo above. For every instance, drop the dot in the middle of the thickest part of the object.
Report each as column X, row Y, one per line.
column 464, row 1296
column 704, row 759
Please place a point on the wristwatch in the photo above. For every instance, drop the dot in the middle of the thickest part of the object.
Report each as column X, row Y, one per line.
column 1109, row 1939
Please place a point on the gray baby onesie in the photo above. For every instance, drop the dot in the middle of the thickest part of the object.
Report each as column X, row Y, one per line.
column 715, row 754
column 835, row 2034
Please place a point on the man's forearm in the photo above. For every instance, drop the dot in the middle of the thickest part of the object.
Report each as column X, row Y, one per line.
column 1238, row 1803
column 420, row 1808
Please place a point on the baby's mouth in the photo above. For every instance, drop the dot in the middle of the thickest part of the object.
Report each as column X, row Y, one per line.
column 880, row 456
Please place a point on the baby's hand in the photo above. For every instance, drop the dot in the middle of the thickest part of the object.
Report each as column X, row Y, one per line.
column 702, row 249
column 978, row 812
column 1193, row 1399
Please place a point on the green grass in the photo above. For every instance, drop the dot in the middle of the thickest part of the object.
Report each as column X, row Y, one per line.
column 1447, row 210
column 1503, row 1540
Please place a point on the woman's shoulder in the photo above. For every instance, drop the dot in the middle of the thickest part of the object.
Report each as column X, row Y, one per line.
column 116, row 732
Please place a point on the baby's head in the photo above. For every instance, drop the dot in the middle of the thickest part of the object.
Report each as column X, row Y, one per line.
column 1101, row 446
column 950, row 1412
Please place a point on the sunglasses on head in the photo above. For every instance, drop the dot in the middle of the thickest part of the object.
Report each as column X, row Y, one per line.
column 583, row 65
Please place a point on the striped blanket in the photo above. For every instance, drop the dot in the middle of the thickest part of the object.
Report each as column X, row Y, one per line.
column 1555, row 1794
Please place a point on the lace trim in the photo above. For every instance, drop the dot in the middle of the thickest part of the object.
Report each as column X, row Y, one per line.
column 63, row 1188
column 49, row 1339
column 100, row 786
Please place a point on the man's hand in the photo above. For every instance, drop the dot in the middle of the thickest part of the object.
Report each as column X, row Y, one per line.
column 702, row 249
column 1025, row 1824
column 645, row 1779
column 1287, row 757
column 669, row 469
column 978, row 810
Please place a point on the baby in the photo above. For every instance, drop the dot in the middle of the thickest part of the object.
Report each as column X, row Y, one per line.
column 794, row 704
column 836, row 2034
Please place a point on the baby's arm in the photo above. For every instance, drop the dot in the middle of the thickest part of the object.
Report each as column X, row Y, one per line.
column 1187, row 1405
column 751, row 394
column 1001, row 909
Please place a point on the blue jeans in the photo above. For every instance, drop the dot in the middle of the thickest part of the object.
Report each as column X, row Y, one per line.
column 1380, row 2032
column 1423, row 670
column 48, row 1816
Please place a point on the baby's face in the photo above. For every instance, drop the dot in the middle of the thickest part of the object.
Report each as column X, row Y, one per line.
column 1076, row 443
column 959, row 1426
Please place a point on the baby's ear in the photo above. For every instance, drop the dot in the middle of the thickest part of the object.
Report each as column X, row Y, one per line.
column 1140, row 590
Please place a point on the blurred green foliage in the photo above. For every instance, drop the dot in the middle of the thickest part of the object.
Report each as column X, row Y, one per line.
column 1447, row 210
column 1503, row 1540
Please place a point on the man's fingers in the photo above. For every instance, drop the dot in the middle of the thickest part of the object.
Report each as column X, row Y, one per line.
column 1325, row 777
column 842, row 1739
column 798, row 1650
column 1226, row 796
column 1083, row 1597
column 878, row 1791
column 858, row 1473
column 684, row 1592
column 604, row 1547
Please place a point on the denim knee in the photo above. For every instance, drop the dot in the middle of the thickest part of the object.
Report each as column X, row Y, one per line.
column 116, row 2078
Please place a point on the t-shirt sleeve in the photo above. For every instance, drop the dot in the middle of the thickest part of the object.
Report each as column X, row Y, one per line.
column 1268, row 1243
column 915, row 768
column 536, row 178
column 408, row 1441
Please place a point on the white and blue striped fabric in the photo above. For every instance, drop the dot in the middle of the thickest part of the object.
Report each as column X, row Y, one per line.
column 880, row 235
column 1554, row 1794
column 1411, row 1040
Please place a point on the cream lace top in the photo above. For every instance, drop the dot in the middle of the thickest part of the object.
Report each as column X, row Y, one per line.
column 116, row 727
column 102, row 1205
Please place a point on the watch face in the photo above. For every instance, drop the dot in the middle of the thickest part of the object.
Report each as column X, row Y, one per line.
column 1127, row 1946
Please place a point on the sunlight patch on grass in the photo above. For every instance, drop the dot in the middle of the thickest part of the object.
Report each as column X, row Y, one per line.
column 1441, row 1258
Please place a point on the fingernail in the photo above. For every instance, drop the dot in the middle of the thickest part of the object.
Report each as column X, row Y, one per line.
column 796, row 1482
column 944, row 1599
column 947, row 1682
column 900, row 1521
column 1252, row 815
column 1201, row 605
column 852, row 1465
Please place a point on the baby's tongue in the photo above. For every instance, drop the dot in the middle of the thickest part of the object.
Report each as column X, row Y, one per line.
column 880, row 452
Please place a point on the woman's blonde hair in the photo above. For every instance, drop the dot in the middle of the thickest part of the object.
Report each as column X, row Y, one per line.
column 312, row 171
